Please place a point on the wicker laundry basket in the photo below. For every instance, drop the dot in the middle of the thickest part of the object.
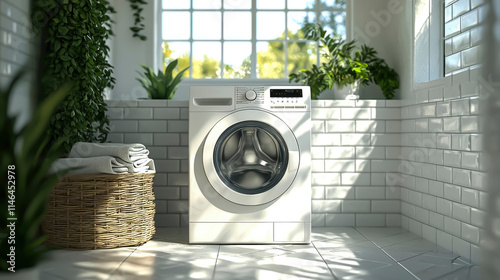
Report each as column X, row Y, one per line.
column 100, row 211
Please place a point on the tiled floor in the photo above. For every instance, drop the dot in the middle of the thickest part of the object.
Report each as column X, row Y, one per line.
column 335, row 253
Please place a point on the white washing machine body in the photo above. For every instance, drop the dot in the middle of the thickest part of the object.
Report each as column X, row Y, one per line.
column 249, row 164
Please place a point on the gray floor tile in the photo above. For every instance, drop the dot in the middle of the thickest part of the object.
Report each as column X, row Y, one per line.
column 343, row 235
column 409, row 249
column 335, row 253
column 149, row 268
column 469, row 273
column 86, row 264
column 278, row 264
column 361, row 260
column 393, row 239
column 434, row 265
column 380, row 232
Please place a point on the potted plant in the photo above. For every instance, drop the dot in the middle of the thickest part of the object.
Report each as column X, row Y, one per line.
column 27, row 155
column 343, row 65
column 161, row 85
column 74, row 35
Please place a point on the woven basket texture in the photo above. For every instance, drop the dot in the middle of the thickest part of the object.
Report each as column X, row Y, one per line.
column 100, row 211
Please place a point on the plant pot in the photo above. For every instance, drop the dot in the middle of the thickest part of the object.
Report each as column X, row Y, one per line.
column 334, row 93
column 350, row 92
column 353, row 91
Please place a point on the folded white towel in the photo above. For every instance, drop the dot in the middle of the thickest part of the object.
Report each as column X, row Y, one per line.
column 127, row 152
column 93, row 165
column 139, row 166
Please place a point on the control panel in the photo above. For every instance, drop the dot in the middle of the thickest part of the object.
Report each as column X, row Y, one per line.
column 272, row 97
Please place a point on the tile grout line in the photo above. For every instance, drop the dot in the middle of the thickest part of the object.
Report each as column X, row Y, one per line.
column 216, row 260
column 324, row 261
column 402, row 266
column 122, row 262
column 451, row 272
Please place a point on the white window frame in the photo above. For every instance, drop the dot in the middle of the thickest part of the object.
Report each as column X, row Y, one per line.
column 434, row 58
column 234, row 81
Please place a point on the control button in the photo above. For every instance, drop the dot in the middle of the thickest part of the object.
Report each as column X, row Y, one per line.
column 250, row 95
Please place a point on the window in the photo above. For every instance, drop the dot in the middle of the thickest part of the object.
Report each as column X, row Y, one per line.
column 428, row 44
column 243, row 39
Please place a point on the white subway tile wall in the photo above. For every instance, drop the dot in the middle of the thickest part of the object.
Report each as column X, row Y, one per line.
column 354, row 170
column 162, row 126
column 356, row 150
column 18, row 49
column 443, row 186
column 16, row 44
column 462, row 34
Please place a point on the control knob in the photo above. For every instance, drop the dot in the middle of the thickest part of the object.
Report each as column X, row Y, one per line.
column 250, row 95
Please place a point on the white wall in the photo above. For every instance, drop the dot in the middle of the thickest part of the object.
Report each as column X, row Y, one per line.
column 128, row 53
column 386, row 26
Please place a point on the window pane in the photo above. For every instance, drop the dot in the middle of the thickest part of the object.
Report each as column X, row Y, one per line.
column 207, row 25
column 206, row 60
column 176, row 25
column 301, row 4
column 237, row 59
column 179, row 51
column 217, row 36
column 237, row 4
column 237, row 25
column 270, row 25
column 297, row 20
column 270, row 4
column 176, row 4
column 270, row 60
column 301, row 55
column 334, row 22
column 206, row 4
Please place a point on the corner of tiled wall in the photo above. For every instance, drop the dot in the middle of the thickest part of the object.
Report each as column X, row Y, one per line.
column 443, row 195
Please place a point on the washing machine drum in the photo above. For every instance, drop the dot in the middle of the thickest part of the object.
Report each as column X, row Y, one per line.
column 250, row 157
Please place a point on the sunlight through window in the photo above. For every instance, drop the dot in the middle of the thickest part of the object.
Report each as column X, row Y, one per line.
column 243, row 39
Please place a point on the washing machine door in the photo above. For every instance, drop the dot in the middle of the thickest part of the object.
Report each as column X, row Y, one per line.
column 251, row 157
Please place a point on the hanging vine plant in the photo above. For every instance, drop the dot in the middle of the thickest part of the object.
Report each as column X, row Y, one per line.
column 74, row 35
column 138, row 27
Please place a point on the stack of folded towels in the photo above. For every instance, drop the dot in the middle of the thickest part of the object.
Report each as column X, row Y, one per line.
column 108, row 158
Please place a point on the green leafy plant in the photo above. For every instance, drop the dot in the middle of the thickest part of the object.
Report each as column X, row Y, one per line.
column 74, row 35
column 161, row 85
column 344, row 65
column 26, row 156
column 136, row 6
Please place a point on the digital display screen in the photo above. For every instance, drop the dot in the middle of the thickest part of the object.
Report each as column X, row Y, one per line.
column 290, row 92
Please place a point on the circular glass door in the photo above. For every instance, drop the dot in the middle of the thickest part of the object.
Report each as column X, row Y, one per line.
column 250, row 157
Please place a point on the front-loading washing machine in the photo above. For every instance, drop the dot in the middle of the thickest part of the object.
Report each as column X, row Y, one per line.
column 249, row 164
